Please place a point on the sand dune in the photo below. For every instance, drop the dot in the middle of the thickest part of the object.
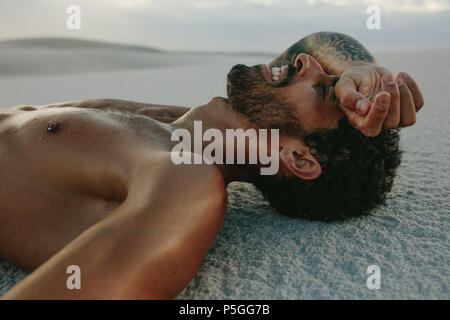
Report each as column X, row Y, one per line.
column 67, row 43
column 63, row 56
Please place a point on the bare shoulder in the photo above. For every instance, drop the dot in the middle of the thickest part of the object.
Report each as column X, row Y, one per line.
column 177, row 211
column 197, row 189
column 197, row 181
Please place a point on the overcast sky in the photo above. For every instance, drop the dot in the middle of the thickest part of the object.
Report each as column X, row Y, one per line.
column 234, row 25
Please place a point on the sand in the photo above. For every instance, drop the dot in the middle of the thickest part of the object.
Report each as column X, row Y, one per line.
column 259, row 254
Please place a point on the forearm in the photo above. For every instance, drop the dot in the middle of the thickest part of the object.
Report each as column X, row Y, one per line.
column 118, row 258
column 92, row 252
column 334, row 51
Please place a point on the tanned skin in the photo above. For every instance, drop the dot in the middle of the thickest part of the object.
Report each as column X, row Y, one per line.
column 100, row 190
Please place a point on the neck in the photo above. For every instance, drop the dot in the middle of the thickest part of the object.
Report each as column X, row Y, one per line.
column 218, row 114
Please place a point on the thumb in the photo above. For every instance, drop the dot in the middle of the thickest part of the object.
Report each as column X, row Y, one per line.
column 349, row 97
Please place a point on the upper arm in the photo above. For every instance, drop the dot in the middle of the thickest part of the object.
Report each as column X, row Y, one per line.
column 161, row 113
column 179, row 216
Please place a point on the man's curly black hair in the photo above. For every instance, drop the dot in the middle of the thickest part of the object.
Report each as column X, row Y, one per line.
column 357, row 173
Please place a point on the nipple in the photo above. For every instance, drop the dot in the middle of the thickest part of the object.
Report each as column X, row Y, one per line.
column 52, row 127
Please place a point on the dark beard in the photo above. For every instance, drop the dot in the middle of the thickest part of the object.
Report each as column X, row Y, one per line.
column 261, row 103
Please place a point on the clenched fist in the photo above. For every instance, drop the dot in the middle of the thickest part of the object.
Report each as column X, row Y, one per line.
column 372, row 98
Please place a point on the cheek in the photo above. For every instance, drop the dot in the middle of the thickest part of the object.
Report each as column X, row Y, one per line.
column 330, row 117
column 304, row 98
column 312, row 112
column 305, row 103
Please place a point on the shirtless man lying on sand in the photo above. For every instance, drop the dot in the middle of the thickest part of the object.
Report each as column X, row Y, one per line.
column 92, row 183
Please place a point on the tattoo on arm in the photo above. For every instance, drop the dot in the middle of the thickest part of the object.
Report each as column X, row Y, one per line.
column 329, row 49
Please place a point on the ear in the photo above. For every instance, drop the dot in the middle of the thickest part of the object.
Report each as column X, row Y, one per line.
column 304, row 63
column 301, row 64
column 298, row 161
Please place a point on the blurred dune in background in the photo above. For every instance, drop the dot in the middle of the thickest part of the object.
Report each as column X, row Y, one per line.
column 65, row 55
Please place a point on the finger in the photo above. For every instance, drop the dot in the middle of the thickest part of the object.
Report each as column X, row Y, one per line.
column 377, row 115
column 415, row 90
column 390, row 86
column 407, row 108
column 355, row 119
column 349, row 97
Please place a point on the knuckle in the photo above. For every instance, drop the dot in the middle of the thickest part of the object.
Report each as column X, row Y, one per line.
column 370, row 131
column 346, row 101
column 343, row 81
column 355, row 124
column 404, row 90
column 359, row 127
column 394, row 91
column 391, row 124
column 404, row 75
